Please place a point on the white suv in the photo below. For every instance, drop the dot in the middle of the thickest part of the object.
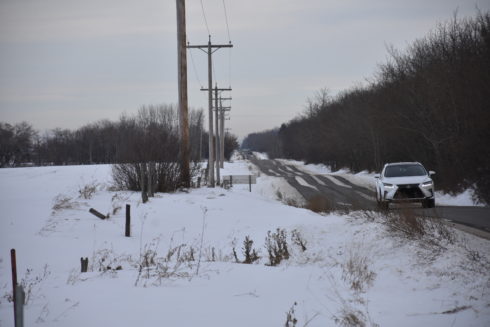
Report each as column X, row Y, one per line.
column 404, row 182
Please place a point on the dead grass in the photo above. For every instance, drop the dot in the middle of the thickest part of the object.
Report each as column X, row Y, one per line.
column 356, row 271
column 350, row 318
column 430, row 232
column 63, row 202
column 320, row 203
column 87, row 192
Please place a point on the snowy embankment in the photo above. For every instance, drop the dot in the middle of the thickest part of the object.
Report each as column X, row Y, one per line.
column 178, row 268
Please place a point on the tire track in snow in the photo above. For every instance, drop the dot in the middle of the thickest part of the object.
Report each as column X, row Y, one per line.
column 302, row 182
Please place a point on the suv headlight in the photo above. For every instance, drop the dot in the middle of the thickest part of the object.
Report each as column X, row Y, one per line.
column 427, row 184
column 388, row 186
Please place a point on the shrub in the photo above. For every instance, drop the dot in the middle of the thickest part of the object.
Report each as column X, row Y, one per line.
column 297, row 239
column 250, row 254
column 291, row 320
column 277, row 246
column 88, row 191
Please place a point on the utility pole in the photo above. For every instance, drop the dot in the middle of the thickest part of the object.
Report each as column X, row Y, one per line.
column 217, row 144
column 209, row 49
column 185, row 177
column 217, row 139
column 222, row 129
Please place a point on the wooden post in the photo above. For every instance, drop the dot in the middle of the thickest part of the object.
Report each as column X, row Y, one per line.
column 210, row 114
column 217, row 139
column 222, row 134
column 150, row 179
column 231, row 181
column 199, row 182
column 13, row 262
column 128, row 220
column 185, row 175
column 250, row 183
column 144, row 195
column 96, row 213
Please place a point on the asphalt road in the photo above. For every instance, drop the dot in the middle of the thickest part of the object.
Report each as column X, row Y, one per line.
column 341, row 193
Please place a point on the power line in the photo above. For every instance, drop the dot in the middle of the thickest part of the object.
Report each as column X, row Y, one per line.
column 194, row 68
column 229, row 40
column 204, row 16
column 214, row 74
column 226, row 20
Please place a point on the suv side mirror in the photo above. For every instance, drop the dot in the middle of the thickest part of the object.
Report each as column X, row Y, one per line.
column 377, row 176
column 431, row 172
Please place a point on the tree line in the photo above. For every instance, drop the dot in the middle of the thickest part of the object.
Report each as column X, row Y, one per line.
column 150, row 134
column 429, row 103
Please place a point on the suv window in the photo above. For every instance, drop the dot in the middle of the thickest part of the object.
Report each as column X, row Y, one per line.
column 405, row 170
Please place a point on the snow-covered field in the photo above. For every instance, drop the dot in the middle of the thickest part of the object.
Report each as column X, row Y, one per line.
column 178, row 267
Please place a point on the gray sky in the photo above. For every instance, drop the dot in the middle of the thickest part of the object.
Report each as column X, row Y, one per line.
column 65, row 63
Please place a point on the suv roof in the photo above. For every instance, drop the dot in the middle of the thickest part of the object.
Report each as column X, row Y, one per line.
column 402, row 163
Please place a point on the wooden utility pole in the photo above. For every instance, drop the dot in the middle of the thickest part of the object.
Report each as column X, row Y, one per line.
column 217, row 144
column 222, row 129
column 185, row 176
column 209, row 49
column 217, row 139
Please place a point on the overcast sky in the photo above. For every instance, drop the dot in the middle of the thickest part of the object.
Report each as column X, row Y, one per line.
column 65, row 63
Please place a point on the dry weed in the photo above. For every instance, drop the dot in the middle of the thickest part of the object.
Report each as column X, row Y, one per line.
column 319, row 204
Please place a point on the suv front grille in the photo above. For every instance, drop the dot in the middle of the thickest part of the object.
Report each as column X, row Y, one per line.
column 408, row 191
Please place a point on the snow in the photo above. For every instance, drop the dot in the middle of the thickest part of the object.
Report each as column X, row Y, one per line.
column 214, row 290
column 466, row 198
column 260, row 155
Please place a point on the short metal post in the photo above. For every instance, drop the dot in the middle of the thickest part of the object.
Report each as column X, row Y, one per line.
column 128, row 220
column 19, row 308
column 250, row 183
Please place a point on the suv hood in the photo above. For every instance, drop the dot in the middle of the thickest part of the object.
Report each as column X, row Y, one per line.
column 406, row 180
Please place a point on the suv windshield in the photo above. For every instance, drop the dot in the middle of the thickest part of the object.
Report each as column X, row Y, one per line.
column 405, row 170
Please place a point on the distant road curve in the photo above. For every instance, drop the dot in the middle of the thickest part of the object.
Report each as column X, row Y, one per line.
column 344, row 193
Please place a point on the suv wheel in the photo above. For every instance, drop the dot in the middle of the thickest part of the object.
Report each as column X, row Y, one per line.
column 378, row 197
column 383, row 205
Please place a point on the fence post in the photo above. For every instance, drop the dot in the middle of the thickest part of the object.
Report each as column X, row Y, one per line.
column 128, row 220
column 250, row 183
column 19, row 308
column 231, row 180
column 84, row 264
column 144, row 194
column 13, row 262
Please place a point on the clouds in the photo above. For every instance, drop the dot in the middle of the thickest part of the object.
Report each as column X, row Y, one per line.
column 57, row 20
column 101, row 58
